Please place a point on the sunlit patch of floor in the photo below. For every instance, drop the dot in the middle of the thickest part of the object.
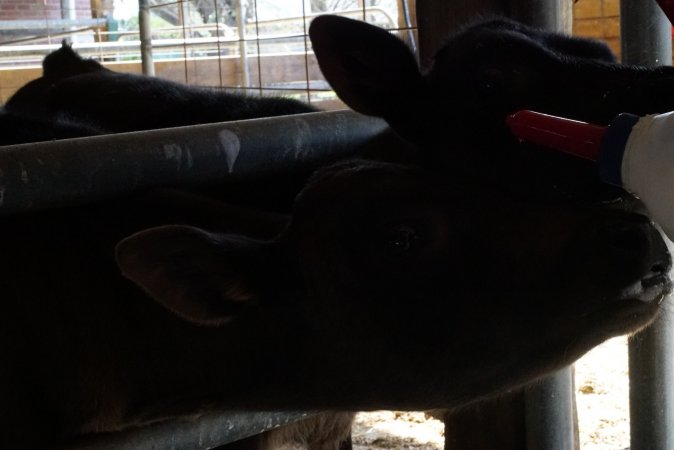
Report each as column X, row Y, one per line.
column 397, row 430
column 602, row 394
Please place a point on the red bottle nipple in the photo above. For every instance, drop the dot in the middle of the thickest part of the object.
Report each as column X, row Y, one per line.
column 570, row 136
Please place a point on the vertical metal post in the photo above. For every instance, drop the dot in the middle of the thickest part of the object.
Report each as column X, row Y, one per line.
column 186, row 19
column 549, row 405
column 243, row 48
column 145, row 30
column 553, row 15
column 646, row 34
column 69, row 11
column 550, row 413
column 647, row 40
column 651, row 377
column 437, row 18
column 405, row 21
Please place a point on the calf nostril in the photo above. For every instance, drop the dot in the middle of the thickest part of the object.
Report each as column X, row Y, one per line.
column 636, row 249
column 660, row 268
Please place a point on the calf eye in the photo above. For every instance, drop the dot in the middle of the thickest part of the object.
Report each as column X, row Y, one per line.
column 491, row 80
column 401, row 240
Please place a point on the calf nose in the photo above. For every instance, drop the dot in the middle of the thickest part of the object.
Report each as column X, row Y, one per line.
column 635, row 240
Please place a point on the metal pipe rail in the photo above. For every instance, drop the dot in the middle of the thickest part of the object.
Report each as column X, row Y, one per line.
column 204, row 431
column 76, row 171
column 145, row 33
column 38, row 24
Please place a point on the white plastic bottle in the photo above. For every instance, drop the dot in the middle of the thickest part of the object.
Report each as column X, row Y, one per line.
column 636, row 153
column 647, row 167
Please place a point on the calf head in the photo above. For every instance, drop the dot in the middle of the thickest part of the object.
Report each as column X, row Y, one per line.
column 482, row 73
column 392, row 288
column 65, row 62
column 31, row 100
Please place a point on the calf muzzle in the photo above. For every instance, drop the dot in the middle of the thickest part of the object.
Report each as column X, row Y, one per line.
column 635, row 238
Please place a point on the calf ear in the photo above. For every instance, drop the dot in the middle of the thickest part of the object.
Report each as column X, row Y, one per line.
column 371, row 70
column 66, row 62
column 202, row 277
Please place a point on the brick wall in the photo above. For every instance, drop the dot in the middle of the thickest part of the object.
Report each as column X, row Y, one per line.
column 40, row 9
column 598, row 19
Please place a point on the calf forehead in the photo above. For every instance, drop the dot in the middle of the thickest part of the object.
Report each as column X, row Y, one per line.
column 361, row 182
column 360, row 212
column 377, row 191
column 499, row 35
column 487, row 42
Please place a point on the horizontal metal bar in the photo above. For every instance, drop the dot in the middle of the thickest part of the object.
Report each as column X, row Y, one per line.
column 76, row 171
column 156, row 42
column 50, row 23
column 70, row 32
column 200, row 432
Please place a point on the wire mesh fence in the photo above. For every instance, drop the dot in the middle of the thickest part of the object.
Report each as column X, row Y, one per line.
column 257, row 46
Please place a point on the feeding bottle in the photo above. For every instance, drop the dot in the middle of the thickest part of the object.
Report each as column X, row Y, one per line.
column 636, row 153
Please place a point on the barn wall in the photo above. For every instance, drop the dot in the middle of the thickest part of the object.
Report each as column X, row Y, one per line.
column 599, row 19
column 40, row 9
